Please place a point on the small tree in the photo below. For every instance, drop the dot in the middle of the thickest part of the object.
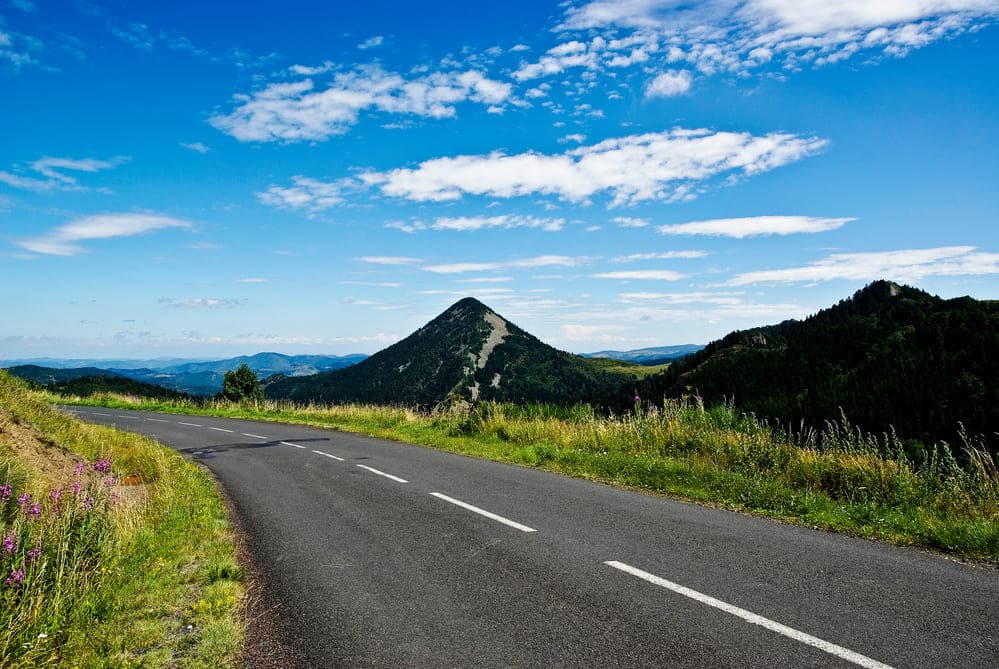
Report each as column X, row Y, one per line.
column 241, row 384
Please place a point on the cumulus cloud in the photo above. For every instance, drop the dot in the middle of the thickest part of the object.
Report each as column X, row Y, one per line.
column 64, row 240
column 755, row 226
column 665, row 166
column 307, row 194
column 299, row 111
column 906, row 266
column 629, row 222
column 669, row 84
column 737, row 35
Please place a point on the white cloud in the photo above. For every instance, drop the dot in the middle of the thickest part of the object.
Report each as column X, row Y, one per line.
column 736, row 35
column 201, row 302
column 729, row 299
column 53, row 169
column 297, row 111
column 408, row 228
column 666, row 255
column 311, row 195
column 642, row 275
column 371, row 42
column 578, row 138
column 253, row 279
column 629, row 222
column 525, row 263
column 197, row 147
column 63, row 241
column 594, row 333
column 754, row 226
column 373, row 284
column 390, row 260
column 669, row 84
column 655, row 166
column 906, row 266
column 465, row 223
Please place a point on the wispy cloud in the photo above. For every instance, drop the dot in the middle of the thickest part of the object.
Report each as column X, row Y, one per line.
column 65, row 240
column 666, row 166
column 54, row 170
column 466, row 223
column 665, row 255
column 308, row 194
column 525, row 263
column 253, row 279
column 371, row 42
column 629, row 222
column 643, row 275
column 298, row 111
column 755, row 226
column 906, row 265
column 201, row 302
column 197, row 147
column 390, row 260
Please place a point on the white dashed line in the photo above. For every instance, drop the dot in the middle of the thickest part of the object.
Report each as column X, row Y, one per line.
column 188, row 424
column 94, row 413
column 120, row 416
column 328, row 455
column 483, row 512
column 255, row 436
column 388, row 476
column 158, row 420
column 288, row 443
column 750, row 617
column 219, row 429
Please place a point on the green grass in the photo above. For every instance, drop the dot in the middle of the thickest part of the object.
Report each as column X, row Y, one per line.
column 837, row 478
column 114, row 575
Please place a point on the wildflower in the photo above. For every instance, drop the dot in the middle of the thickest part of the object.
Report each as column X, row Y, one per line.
column 55, row 495
column 88, row 503
column 103, row 466
column 33, row 554
column 5, row 492
column 16, row 577
column 9, row 543
column 110, row 481
column 78, row 469
column 24, row 499
column 33, row 511
column 76, row 487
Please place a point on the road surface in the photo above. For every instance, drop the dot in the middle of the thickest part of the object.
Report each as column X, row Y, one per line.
column 380, row 554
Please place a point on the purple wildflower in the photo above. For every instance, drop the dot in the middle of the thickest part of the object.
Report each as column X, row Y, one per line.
column 88, row 503
column 24, row 499
column 55, row 495
column 33, row 554
column 76, row 488
column 110, row 481
column 16, row 577
column 9, row 544
column 34, row 511
column 6, row 491
column 103, row 466
column 78, row 469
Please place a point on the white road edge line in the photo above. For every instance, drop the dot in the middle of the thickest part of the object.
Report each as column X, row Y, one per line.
column 752, row 618
column 328, row 455
column 255, row 436
column 119, row 416
column 158, row 420
column 388, row 476
column 219, row 429
column 188, row 424
column 288, row 443
column 94, row 413
column 483, row 512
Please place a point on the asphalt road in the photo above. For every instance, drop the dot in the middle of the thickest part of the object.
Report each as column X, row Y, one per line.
column 382, row 554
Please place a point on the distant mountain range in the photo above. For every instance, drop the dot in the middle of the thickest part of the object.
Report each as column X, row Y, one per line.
column 199, row 377
column 656, row 355
column 469, row 353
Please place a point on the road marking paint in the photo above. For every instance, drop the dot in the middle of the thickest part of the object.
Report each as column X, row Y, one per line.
column 219, row 429
column 94, row 413
column 288, row 443
column 158, row 420
column 752, row 618
column 255, row 436
column 388, row 476
column 188, row 424
column 328, row 455
column 483, row 512
column 119, row 416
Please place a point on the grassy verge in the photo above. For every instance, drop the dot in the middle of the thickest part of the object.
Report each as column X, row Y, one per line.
column 115, row 551
column 838, row 478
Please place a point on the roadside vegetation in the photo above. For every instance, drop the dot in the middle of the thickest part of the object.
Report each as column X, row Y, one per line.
column 114, row 551
column 837, row 478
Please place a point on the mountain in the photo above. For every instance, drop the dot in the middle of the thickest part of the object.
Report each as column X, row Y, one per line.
column 45, row 376
column 100, row 363
column 197, row 377
column 84, row 386
column 890, row 356
column 468, row 352
column 648, row 356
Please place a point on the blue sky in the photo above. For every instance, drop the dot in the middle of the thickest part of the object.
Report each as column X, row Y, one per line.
column 179, row 179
